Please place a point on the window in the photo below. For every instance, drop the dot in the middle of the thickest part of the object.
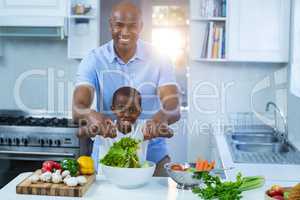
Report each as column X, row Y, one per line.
column 170, row 34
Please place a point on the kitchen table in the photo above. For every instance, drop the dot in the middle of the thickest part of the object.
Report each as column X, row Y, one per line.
column 159, row 188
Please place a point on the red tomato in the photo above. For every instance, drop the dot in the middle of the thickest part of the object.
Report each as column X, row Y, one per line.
column 278, row 197
column 275, row 190
column 177, row 167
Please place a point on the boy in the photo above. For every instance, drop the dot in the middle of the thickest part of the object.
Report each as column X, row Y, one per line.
column 126, row 106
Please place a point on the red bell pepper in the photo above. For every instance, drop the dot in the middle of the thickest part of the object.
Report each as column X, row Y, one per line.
column 50, row 165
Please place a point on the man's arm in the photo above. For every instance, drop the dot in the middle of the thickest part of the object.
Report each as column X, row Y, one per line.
column 168, row 114
column 170, row 111
column 91, row 123
column 82, row 100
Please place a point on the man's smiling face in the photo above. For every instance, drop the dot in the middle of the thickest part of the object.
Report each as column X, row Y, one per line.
column 125, row 25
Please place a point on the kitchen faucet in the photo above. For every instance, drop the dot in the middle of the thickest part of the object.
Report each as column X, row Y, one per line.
column 285, row 133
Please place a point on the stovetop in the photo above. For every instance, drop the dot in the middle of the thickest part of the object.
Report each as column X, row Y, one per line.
column 23, row 129
column 34, row 121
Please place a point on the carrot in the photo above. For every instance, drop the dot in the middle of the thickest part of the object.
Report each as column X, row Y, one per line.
column 199, row 165
column 209, row 166
column 213, row 164
column 205, row 165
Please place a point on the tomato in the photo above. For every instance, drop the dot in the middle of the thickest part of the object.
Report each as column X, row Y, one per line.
column 273, row 193
column 278, row 197
column 177, row 167
column 275, row 190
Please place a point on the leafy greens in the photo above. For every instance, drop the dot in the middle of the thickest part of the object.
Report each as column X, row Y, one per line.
column 123, row 154
column 229, row 190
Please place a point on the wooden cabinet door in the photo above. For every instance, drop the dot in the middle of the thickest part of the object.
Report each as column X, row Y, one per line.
column 258, row 30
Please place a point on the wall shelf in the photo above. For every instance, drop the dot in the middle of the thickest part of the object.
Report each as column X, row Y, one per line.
column 208, row 18
column 82, row 17
column 210, row 60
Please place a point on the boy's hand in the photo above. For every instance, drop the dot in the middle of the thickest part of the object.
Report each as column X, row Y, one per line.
column 97, row 124
column 153, row 129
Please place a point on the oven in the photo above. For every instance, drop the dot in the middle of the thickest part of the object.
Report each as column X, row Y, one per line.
column 26, row 141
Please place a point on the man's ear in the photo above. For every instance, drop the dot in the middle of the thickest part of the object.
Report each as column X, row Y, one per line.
column 110, row 24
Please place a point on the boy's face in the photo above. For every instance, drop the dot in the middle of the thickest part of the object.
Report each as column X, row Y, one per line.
column 127, row 110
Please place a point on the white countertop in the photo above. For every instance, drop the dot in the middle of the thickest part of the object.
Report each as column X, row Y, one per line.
column 157, row 189
column 276, row 172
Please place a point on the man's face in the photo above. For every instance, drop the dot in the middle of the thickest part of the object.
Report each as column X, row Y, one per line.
column 125, row 29
column 127, row 110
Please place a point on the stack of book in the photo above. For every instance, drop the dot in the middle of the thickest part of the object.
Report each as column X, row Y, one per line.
column 213, row 8
column 214, row 41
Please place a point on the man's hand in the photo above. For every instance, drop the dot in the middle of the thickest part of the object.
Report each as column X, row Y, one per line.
column 96, row 123
column 153, row 129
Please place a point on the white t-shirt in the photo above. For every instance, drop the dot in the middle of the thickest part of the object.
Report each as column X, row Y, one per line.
column 136, row 133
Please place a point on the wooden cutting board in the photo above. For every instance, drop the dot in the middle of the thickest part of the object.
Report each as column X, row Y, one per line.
column 52, row 189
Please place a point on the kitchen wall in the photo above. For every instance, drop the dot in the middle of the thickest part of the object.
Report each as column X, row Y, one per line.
column 218, row 89
column 36, row 74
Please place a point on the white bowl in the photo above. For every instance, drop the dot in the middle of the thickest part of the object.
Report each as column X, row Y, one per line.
column 128, row 178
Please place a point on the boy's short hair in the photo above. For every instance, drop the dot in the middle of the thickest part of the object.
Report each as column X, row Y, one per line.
column 128, row 92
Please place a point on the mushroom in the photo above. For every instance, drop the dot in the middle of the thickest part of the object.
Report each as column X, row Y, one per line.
column 72, row 181
column 46, row 177
column 34, row 178
column 56, row 178
column 81, row 180
column 65, row 173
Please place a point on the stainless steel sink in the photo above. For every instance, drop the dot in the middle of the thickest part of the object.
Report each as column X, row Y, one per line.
column 260, row 146
column 264, row 147
column 254, row 138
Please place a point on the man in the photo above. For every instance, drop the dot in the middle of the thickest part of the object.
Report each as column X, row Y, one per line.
column 126, row 60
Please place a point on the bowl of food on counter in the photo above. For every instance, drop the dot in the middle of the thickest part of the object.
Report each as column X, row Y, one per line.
column 123, row 167
column 277, row 192
column 186, row 175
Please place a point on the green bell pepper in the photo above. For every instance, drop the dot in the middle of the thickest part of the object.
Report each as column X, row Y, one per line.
column 71, row 165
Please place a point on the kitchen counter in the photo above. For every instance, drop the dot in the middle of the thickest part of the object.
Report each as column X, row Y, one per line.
column 276, row 172
column 158, row 189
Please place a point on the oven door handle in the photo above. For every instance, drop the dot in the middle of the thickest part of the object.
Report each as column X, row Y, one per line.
column 39, row 153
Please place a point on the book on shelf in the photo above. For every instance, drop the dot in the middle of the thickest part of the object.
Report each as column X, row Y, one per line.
column 212, row 8
column 213, row 43
column 210, row 40
column 205, row 42
column 223, row 8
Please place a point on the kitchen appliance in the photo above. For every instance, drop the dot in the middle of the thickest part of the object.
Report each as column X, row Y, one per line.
column 27, row 139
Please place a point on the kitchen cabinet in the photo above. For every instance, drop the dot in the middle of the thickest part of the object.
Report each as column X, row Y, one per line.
column 84, row 29
column 208, row 24
column 252, row 31
column 33, row 12
column 258, row 30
